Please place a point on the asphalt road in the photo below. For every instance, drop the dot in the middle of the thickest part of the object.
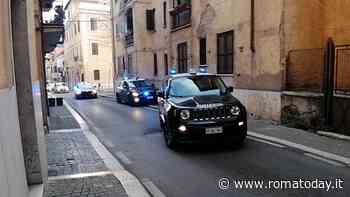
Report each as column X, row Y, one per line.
column 133, row 135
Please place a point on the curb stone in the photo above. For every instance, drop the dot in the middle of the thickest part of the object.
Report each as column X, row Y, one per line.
column 334, row 135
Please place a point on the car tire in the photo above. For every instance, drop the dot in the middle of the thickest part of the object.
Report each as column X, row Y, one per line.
column 118, row 98
column 170, row 139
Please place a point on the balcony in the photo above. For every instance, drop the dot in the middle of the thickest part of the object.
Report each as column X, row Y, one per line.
column 129, row 39
column 181, row 17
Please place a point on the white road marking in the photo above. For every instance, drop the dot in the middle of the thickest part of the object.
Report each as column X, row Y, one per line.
column 131, row 184
column 123, row 158
column 152, row 188
column 266, row 142
column 304, row 148
column 325, row 160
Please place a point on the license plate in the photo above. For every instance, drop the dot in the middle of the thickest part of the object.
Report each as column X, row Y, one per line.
column 150, row 97
column 216, row 130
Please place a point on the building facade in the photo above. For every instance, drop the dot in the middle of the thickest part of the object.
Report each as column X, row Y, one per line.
column 22, row 142
column 54, row 65
column 88, row 43
column 247, row 43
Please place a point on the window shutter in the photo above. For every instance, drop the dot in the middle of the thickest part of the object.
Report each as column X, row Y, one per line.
column 150, row 20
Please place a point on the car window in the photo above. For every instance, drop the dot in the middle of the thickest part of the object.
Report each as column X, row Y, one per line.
column 197, row 86
column 125, row 85
column 141, row 83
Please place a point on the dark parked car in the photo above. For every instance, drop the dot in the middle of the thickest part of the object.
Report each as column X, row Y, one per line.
column 200, row 108
column 136, row 92
column 84, row 90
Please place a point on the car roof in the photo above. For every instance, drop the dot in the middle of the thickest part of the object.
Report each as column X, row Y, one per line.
column 190, row 75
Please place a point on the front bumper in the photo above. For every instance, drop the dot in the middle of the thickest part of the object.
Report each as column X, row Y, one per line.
column 196, row 131
column 86, row 95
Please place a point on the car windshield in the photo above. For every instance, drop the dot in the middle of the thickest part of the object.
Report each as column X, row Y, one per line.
column 86, row 86
column 141, row 83
column 197, row 86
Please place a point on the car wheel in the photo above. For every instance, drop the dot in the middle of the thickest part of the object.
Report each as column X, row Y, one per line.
column 169, row 138
column 118, row 98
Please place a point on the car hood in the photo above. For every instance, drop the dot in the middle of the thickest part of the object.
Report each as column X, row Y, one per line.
column 204, row 100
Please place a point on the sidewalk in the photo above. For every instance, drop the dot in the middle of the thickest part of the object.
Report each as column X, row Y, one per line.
column 75, row 167
column 307, row 141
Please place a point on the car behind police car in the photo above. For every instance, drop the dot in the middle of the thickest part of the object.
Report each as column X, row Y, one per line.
column 199, row 107
column 136, row 92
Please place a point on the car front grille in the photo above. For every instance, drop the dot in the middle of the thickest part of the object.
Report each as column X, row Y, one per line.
column 217, row 113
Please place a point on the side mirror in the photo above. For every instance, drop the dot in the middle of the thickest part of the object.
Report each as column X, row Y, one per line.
column 160, row 94
column 229, row 89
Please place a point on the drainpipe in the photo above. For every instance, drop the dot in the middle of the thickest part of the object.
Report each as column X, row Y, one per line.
column 113, row 46
column 252, row 26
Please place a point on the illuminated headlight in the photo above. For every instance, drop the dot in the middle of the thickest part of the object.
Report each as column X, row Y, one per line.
column 135, row 94
column 136, row 100
column 146, row 93
column 235, row 111
column 185, row 114
column 78, row 91
column 182, row 128
column 94, row 91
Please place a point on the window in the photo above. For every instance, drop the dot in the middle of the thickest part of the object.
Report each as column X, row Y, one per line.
column 96, row 75
column 166, row 69
column 182, row 57
column 93, row 24
column 150, row 20
column 94, row 48
column 155, row 64
column 203, row 51
column 129, row 21
column 181, row 16
column 225, row 53
column 164, row 14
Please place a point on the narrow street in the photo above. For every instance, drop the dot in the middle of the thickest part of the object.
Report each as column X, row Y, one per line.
column 133, row 135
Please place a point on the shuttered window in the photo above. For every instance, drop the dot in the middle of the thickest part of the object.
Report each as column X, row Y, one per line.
column 182, row 57
column 150, row 20
column 94, row 48
column 225, row 53
column 96, row 75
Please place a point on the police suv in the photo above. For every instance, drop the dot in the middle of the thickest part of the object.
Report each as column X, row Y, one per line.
column 199, row 107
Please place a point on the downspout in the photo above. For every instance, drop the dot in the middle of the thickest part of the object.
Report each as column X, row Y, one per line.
column 113, row 46
column 252, row 26
column 45, row 104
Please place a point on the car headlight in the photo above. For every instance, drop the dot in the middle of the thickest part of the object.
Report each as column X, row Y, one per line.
column 235, row 110
column 135, row 94
column 78, row 91
column 185, row 114
column 94, row 91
